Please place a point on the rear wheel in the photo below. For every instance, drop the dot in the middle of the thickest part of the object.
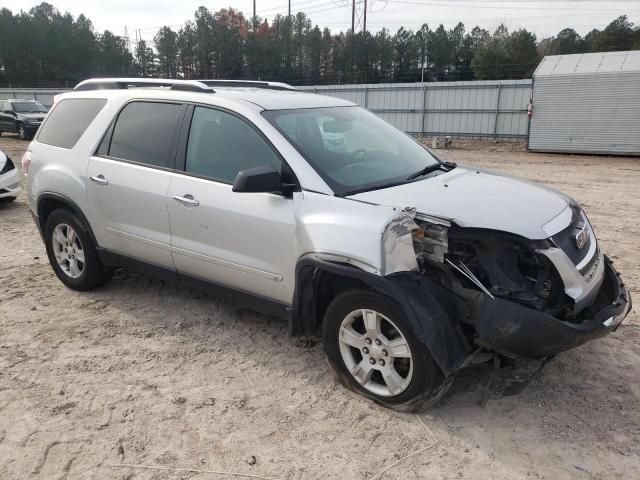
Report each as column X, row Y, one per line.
column 373, row 349
column 72, row 253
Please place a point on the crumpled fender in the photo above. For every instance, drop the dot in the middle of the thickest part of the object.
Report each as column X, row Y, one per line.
column 432, row 324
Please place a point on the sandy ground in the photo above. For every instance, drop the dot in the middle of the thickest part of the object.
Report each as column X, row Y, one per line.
column 142, row 372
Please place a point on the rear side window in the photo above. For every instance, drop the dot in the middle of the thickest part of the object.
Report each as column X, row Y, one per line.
column 145, row 132
column 68, row 121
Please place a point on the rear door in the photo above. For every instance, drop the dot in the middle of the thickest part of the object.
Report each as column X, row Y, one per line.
column 241, row 240
column 128, row 178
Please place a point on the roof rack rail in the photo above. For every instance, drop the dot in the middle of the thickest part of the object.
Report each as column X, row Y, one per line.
column 125, row 83
column 248, row 83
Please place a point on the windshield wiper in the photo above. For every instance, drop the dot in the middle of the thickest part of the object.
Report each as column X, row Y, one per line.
column 432, row 168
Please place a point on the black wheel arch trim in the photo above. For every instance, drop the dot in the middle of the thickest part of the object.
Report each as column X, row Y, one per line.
column 436, row 329
column 69, row 203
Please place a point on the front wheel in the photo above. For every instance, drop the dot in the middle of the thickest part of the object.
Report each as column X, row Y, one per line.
column 372, row 347
column 22, row 132
column 72, row 253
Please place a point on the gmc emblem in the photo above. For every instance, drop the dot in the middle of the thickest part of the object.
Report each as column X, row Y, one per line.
column 582, row 237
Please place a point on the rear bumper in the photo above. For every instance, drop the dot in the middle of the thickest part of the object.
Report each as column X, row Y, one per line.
column 510, row 328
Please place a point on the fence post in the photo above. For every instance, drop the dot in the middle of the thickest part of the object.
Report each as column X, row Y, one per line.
column 424, row 109
column 495, row 121
column 366, row 97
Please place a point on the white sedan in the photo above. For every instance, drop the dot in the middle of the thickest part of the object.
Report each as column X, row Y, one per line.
column 9, row 181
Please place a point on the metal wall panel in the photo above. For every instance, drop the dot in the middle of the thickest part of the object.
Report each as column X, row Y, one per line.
column 494, row 109
column 580, row 112
column 44, row 96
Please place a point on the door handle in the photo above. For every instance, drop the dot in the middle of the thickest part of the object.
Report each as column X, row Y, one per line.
column 187, row 200
column 100, row 180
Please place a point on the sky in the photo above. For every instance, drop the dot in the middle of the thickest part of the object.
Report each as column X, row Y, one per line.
column 544, row 18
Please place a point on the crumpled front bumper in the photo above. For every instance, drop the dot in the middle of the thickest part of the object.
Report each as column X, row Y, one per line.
column 513, row 329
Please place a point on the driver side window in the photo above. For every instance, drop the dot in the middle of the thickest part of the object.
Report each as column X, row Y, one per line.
column 221, row 145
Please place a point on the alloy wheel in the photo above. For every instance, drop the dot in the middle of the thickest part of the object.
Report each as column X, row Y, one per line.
column 68, row 250
column 375, row 352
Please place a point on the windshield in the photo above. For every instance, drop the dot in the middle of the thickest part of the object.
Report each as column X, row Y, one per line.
column 352, row 149
column 29, row 107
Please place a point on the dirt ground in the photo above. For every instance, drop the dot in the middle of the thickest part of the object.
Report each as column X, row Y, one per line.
column 142, row 372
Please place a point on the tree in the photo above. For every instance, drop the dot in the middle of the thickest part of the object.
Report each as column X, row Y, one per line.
column 186, row 44
column 204, row 43
column 44, row 46
column 166, row 43
column 506, row 55
column 618, row 35
column 145, row 60
column 567, row 42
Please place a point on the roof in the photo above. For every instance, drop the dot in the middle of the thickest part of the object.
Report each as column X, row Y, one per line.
column 266, row 95
column 281, row 99
column 589, row 64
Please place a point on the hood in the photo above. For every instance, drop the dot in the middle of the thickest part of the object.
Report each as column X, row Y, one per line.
column 476, row 198
column 33, row 116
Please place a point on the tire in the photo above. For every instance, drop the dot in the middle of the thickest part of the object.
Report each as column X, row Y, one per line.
column 87, row 274
column 423, row 383
column 7, row 199
column 22, row 132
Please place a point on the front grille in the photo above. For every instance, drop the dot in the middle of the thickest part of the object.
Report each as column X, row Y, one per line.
column 566, row 241
column 8, row 166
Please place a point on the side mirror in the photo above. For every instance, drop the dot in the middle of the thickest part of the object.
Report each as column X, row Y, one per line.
column 9, row 112
column 262, row 179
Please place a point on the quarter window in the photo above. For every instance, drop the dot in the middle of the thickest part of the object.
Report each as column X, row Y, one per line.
column 221, row 145
column 145, row 132
column 68, row 121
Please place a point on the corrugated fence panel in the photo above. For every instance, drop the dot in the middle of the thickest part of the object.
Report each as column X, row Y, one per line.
column 483, row 108
column 44, row 96
column 470, row 109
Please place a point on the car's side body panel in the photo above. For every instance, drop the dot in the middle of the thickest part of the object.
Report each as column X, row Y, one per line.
column 130, row 210
column 243, row 240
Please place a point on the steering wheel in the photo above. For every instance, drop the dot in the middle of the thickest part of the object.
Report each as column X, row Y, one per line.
column 359, row 152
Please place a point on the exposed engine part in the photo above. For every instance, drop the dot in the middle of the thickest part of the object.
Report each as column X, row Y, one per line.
column 430, row 241
column 505, row 266
column 464, row 270
column 410, row 240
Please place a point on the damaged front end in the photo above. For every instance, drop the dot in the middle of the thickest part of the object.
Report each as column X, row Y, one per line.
column 505, row 293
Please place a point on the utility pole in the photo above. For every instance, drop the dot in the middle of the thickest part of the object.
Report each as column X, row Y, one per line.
column 289, row 7
column 364, row 22
column 254, row 13
column 353, row 17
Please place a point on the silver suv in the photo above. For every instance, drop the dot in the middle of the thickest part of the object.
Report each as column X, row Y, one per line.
column 314, row 209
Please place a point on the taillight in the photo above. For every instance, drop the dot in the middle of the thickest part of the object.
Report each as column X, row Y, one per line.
column 26, row 162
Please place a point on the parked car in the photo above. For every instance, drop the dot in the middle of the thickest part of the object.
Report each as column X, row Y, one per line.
column 9, row 181
column 408, row 265
column 23, row 117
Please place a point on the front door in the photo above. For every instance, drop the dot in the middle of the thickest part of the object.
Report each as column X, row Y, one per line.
column 240, row 240
column 7, row 120
column 128, row 178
